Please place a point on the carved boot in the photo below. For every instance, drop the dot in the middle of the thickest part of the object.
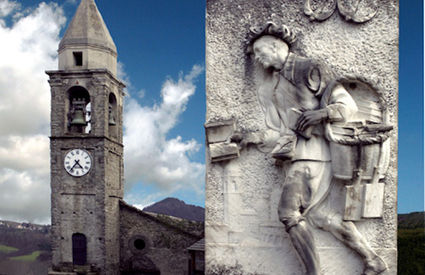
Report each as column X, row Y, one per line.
column 375, row 266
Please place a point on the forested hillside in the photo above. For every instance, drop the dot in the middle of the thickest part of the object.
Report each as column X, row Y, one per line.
column 24, row 248
column 411, row 244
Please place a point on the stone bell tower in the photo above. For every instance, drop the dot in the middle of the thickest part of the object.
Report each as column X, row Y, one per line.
column 86, row 148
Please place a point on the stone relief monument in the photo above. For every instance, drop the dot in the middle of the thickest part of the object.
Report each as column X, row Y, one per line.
column 299, row 134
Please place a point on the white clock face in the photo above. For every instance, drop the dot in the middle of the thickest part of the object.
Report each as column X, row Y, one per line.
column 77, row 162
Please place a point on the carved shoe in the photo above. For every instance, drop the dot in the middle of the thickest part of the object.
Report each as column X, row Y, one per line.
column 375, row 266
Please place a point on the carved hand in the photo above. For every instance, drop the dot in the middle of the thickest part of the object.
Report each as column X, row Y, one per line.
column 309, row 118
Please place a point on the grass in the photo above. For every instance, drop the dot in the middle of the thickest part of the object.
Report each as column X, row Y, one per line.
column 7, row 249
column 27, row 258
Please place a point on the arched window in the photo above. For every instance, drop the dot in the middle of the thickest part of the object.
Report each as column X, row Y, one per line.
column 113, row 115
column 78, row 110
column 79, row 249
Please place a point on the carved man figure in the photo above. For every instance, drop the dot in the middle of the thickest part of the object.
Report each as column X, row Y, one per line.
column 298, row 95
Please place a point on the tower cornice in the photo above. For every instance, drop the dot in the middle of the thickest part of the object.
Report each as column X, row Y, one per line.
column 85, row 74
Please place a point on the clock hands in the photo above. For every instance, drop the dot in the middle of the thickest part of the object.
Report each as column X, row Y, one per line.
column 72, row 168
column 77, row 162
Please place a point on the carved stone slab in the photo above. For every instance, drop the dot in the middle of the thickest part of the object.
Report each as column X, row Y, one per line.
column 223, row 151
column 373, row 200
column 219, row 131
column 219, row 135
column 247, row 231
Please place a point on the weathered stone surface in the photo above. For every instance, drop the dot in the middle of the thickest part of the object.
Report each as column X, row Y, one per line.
column 243, row 232
column 88, row 35
column 166, row 240
column 374, row 200
column 223, row 151
column 220, row 131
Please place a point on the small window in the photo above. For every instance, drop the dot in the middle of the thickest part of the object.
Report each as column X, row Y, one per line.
column 78, row 58
column 139, row 244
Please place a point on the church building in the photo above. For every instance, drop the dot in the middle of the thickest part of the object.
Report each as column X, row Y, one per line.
column 93, row 230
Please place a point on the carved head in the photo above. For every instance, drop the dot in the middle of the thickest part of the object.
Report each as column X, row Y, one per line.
column 270, row 44
column 271, row 52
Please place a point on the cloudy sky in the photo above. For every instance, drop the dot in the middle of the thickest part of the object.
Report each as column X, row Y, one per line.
column 161, row 53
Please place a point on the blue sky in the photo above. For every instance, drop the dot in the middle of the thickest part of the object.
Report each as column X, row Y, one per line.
column 161, row 51
column 411, row 108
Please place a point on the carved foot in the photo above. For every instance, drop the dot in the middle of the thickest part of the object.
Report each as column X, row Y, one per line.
column 375, row 266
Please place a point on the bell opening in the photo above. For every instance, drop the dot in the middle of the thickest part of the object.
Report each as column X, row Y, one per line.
column 112, row 116
column 79, row 110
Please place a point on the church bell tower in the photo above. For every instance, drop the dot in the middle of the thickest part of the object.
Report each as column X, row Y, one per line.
column 86, row 148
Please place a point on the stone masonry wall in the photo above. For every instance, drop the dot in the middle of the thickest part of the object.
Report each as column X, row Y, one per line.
column 165, row 245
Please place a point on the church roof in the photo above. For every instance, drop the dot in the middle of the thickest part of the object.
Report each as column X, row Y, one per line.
column 87, row 28
column 198, row 246
column 192, row 228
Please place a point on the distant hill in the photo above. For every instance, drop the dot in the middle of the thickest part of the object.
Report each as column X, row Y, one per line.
column 177, row 208
column 411, row 220
column 24, row 248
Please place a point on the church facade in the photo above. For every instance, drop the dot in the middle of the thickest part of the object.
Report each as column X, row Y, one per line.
column 93, row 230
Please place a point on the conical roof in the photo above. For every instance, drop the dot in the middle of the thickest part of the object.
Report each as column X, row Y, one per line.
column 88, row 28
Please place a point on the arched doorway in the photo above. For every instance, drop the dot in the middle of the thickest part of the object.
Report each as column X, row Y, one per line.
column 79, row 249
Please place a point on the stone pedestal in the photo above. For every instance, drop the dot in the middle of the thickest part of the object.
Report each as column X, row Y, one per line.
column 360, row 49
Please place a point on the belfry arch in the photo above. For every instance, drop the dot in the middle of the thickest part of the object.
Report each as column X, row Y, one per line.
column 78, row 106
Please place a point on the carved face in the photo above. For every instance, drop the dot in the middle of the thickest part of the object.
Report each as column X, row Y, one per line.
column 271, row 52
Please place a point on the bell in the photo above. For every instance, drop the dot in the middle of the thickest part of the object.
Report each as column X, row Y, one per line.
column 111, row 116
column 78, row 118
column 112, row 120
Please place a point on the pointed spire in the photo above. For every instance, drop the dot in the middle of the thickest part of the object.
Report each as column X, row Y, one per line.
column 87, row 28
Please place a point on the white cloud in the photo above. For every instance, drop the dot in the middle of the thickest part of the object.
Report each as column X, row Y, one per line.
column 144, row 201
column 25, row 196
column 6, row 7
column 71, row 2
column 122, row 75
column 28, row 49
column 141, row 93
column 23, row 154
column 150, row 157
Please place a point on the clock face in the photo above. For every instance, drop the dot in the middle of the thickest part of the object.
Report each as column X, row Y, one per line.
column 77, row 162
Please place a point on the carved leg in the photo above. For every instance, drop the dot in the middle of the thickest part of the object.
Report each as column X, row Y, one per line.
column 290, row 215
column 303, row 241
column 347, row 233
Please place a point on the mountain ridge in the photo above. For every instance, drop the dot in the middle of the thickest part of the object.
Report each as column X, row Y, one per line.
column 177, row 208
column 411, row 220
